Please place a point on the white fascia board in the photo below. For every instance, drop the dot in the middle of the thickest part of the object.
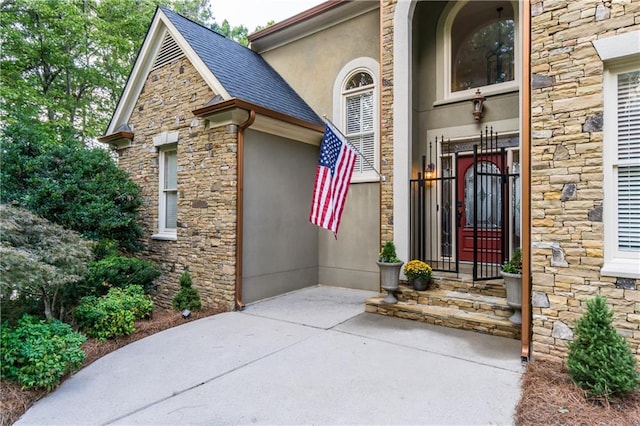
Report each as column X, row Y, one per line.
column 193, row 57
column 144, row 62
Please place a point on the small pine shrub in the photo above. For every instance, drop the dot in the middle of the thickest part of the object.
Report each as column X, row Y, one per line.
column 113, row 315
column 599, row 359
column 38, row 353
column 187, row 297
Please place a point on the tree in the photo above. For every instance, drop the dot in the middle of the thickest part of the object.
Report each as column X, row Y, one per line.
column 238, row 34
column 64, row 63
column 38, row 257
column 77, row 187
column 599, row 359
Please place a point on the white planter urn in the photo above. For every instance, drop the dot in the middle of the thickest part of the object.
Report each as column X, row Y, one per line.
column 513, row 285
column 389, row 279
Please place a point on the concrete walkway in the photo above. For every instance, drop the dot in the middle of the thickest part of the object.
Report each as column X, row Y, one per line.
column 308, row 357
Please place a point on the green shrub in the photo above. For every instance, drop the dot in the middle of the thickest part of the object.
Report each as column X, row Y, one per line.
column 599, row 359
column 187, row 297
column 37, row 353
column 113, row 315
column 121, row 271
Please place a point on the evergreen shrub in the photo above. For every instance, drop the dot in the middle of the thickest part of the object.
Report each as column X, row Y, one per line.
column 37, row 353
column 599, row 359
column 187, row 297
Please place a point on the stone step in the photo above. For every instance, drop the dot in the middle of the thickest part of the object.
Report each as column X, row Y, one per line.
column 466, row 284
column 455, row 309
column 470, row 302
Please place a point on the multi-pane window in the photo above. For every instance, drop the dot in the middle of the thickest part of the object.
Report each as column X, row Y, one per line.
column 359, row 121
column 626, row 167
column 482, row 45
column 168, row 202
column 622, row 171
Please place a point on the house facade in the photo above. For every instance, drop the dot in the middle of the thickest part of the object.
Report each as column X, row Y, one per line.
column 496, row 126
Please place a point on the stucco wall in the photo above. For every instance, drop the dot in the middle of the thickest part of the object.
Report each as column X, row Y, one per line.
column 567, row 171
column 310, row 65
column 206, row 185
column 280, row 245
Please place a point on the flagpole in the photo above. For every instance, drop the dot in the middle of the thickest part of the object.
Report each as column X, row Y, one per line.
column 381, row 176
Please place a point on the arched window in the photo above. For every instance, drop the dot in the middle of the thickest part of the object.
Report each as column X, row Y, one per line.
column 359, row 118
column 482, row 45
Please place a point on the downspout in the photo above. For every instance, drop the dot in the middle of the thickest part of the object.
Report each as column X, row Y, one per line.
column 239, row 207
column 525, row 115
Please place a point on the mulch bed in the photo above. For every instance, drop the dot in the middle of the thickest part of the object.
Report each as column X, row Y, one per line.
column 549, row 397
column 14, row 401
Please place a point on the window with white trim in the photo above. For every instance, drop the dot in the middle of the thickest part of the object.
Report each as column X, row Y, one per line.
column 168, row 192
column 622, row 171
column 477, row 49
column 359, row 120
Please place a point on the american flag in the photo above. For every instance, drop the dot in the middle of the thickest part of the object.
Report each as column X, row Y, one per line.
column 333, row 174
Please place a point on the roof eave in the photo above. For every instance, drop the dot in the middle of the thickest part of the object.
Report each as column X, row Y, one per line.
column 267, row 120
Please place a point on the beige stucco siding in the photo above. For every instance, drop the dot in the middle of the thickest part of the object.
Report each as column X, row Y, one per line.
column 280, row 245
column 311, row 66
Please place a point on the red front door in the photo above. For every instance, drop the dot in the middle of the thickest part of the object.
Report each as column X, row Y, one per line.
column 482, row 199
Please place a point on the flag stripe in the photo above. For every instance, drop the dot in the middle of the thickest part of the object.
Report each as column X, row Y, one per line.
column 333, row 175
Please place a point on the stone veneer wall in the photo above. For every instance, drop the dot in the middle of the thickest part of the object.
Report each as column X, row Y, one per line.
column 387, row 9
column 207, row 191
column 567, row 148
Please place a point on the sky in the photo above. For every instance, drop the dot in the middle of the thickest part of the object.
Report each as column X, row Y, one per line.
column 252, row 13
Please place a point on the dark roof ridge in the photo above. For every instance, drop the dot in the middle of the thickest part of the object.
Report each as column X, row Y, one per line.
column 243, row 73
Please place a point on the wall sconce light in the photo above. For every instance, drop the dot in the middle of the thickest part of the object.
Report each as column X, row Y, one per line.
column 478, row 105
column 430, row 171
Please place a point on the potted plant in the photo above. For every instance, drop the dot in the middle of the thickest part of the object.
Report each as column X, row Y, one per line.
column 512, row 275
column 390, row 267
column 419, row 273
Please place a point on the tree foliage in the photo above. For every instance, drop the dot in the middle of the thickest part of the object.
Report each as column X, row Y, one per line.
column 599, row 359
column 65, row 62
column 37, row 257
column 77, row 187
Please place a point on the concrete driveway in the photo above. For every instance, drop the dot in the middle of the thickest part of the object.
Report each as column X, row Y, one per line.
column 308, row 357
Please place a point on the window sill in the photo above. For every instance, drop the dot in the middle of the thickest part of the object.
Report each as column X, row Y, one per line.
column 467, row 95
column 621, row 268
column 165, row 236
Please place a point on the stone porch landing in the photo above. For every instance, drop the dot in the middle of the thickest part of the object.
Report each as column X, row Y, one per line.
column 455, row 302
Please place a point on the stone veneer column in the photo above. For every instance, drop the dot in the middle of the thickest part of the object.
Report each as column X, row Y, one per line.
column 387, row 9
column 207, row 185
column 567, row 171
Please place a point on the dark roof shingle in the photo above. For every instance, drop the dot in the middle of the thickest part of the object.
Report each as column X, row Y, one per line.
column 242, row 72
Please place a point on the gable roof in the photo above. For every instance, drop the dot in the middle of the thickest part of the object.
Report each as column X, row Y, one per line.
column 230, row 69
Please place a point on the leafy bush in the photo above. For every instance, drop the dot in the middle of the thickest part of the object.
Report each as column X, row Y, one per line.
column 75, row 186
column 113, row 315
column 187, row 297
column 120, row 271
column 599, row 359
column 37, row 353
column 38, row 258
